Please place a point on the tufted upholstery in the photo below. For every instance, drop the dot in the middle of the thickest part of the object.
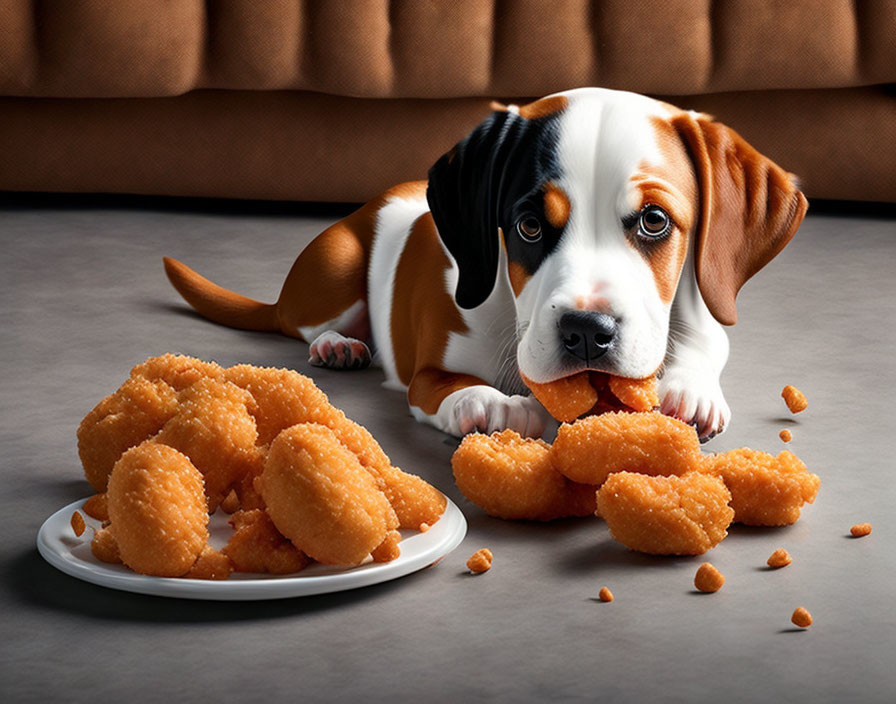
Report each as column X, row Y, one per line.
column 453, row 48
column 408, row 49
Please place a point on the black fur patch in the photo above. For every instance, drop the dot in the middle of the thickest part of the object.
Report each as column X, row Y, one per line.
column 492, row 179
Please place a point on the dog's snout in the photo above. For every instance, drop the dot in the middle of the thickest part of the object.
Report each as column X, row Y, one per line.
column 587, row 335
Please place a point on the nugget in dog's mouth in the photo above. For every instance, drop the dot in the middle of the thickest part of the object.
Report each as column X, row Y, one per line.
column 592, row 393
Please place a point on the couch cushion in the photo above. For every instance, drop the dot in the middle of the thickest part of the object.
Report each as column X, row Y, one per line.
column 408, row 48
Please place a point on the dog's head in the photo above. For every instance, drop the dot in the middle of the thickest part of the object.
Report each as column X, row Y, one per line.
column 588, row 201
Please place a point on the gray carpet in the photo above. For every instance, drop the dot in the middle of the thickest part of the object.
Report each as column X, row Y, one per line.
column 85, row 298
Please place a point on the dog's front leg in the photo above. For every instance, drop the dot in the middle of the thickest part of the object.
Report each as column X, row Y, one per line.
column 690, row 387
column 458, row 404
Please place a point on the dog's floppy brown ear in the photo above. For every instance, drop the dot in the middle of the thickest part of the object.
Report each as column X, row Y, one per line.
column 750, row 208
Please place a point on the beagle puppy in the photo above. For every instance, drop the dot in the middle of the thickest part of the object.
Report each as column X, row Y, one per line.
column 591, row 229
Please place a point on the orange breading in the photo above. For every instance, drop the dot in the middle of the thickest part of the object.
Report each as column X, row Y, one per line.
column 124, row 419
column 801, row 617
column 685, row 515
column 765, row 490
column 480, row 561
column 785, row 435
column 637, row 394
column 210, row 564
column 157, row 510
column 590, row 449
column 97, row 507
column 567, row 398
column 708, row 578
column 214, row 428
column 104, row 547
column 322, row 499
column 605, row 595
column 512, row 477
column 176, row 370
column 389, row 549
column 285, row 398
column 779, row 558
column 78, row 525
column 795, row 399
column 257, row 546
column 860, row 530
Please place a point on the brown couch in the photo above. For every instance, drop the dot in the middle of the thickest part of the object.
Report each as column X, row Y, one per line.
column 337, row 99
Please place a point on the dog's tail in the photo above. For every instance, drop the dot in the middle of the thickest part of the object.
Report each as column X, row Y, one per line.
column 219, row 304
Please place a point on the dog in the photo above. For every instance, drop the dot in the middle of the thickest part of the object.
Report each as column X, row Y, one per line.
column 592, row 229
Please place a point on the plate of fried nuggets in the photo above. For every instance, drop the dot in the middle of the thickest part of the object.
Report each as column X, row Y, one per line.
column 305, row 485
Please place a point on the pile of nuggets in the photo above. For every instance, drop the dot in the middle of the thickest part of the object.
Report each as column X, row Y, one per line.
column 639, row 470
column 182, row 438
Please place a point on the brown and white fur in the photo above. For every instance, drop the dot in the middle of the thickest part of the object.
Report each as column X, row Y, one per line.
column 462, row 283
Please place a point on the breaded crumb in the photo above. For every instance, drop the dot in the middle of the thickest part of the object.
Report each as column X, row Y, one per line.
column 424, row 527
column 801, row 617
column 480, row 561
column 605, row 595
column 795, row 399
column 708, row 578
column 97, row 507
column 104, row 547
column 779, row 558
column 860, row 530
column 231, row 503
column 78, row 524
column 785, row 435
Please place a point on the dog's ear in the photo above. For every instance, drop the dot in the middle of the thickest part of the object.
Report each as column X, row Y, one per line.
column 750, row 208
column 464, row 197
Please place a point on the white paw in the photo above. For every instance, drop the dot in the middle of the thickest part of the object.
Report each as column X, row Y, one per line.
column 696, row 398
column 485, row 409
column 330, row 349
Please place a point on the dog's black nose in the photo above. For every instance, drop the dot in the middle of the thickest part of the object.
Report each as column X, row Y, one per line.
column 587, row 335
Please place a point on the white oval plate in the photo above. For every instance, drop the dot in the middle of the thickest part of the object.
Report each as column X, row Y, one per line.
column 59, row 546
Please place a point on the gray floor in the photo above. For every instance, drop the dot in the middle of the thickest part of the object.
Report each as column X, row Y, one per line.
column 84, row 298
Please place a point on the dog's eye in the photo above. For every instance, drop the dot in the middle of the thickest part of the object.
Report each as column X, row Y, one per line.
column 654, row 222
column 529, row 228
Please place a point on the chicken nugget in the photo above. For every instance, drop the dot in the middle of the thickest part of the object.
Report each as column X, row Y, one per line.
column 210, row 564
column 285, row 398
column 674, row 515
column 122, row 420
column 97, row 507
column 214, row 428
column 795, row 399
column 157, row 510
column 176, row 370
column 512, row 477
column 257, row 546
column 322, row 499
column 765, row 490
column 590, row 449
column 637, row 394
column 567, row 398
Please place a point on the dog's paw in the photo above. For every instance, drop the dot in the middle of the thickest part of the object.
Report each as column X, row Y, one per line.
column 485, row 409
column 335, row 351
column 695, row 398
